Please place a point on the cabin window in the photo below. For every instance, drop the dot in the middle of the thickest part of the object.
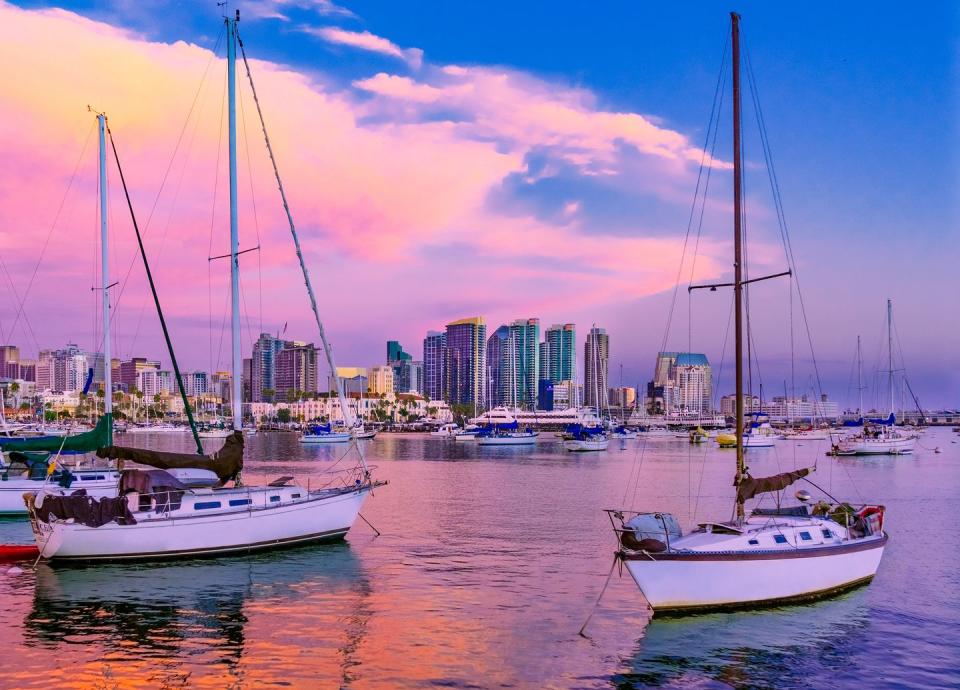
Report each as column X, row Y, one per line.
column 295, row 496
column 827, row 534
column 779, row 538
column 92, row 477
column 753, row 542
column 205, row 505
column 274, row 499
column 240, row 502
column 805, row 536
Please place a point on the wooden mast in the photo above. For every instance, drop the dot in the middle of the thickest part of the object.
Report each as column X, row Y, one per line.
column 738, row 249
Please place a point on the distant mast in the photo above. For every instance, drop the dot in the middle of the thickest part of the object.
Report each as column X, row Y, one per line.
column 890, row 350
column 236, row 369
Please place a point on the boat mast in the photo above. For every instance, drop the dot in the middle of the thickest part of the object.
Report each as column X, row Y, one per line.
column 236, row 370
column 105, row 278
column 737, row 248
column 859, row 377
column 890, row 350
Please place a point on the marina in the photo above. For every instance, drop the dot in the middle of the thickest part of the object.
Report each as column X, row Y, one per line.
column 430, row 602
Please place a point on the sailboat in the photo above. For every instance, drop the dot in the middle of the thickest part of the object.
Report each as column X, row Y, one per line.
column 37, row 464
column 582, row 438
column 508, row 433
column 767, row 556
column 156, row 514
column 879, row 436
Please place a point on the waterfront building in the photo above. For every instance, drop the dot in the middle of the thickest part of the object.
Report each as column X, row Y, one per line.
column 728, row 405
column 131, row 368
column 785, row 409
column 596, row 358
column 496, row 346
column 519, row 365
column 683, row 381
column 246, row 379
column 434, row 360
column 380, row 381
column 465, row 362
column 624, row 397
column 559, row 352
column 9, row 361
column 220, row 384
column 354, row 380
column 264, row 365
column 296, row 370
column 196, row 383
column 147, row 382
column 408, row 377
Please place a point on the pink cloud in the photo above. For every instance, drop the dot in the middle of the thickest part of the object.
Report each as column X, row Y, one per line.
column 394, row 213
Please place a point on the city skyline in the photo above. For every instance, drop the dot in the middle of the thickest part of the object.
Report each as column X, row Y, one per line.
column 572, row 186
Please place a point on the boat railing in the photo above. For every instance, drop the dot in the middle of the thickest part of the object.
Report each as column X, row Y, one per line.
column 624, row 515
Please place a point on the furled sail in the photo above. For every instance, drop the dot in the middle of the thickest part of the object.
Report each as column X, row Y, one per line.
column 751, row 486
column 226, row 462
column 86, row 442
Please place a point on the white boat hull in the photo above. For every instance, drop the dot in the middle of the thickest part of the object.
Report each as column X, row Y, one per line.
column 579, row 446
column 692, row 582
column 264, row 526
column 507, row 441
column 889, row 446
column 325, row 438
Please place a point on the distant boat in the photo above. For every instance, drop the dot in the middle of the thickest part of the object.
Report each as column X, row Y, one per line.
column 324, row 433
column 582, row 439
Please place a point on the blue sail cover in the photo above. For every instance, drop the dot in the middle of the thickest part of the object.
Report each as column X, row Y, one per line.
column 318, row 429
column 853, row 422
column 509, row 426
column 889, row 421
column 580, row 431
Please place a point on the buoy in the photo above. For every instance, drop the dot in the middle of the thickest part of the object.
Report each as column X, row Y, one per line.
column 18, row 552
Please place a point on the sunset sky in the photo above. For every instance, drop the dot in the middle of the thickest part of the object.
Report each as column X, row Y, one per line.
column 446, row 160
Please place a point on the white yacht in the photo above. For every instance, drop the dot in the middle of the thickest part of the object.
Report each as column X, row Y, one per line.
column 527, row 418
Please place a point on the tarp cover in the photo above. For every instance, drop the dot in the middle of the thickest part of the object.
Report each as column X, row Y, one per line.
column 86, row 442
column 751, row 486
column 226, row 462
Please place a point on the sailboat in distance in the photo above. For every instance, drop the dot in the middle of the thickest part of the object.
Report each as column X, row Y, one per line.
column 767, row 556
column 161, row 513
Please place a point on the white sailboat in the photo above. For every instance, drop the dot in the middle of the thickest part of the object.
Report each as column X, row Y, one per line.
column 773, row 556
column 508, row 433
column 25, row 466
column 879, row 437
column 157, row 516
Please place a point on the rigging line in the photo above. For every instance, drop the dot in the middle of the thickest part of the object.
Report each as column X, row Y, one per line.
column 156, row 299
column 46, row 242
column 714, row 114
column 213, row 221
column 772, row 173
column 173, row 156
column 253, row 201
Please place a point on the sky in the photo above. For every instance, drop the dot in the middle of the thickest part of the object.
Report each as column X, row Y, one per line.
column 510, row 160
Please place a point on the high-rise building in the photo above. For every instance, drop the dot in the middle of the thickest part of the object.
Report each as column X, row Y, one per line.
column 686, row 380
column 466, row 361
column 560, row 352
column 220, row 382
column 354, row 380
column 246, row 380
column 196, row 383
column 395, row 352
column 495, row 351
column 519, row 365
column 264, row 366
column 408, row 376
column 9, row 361
column 130, row 369
column 434, row 360
column 596, row 362
column 380, row 380
column 296, row 370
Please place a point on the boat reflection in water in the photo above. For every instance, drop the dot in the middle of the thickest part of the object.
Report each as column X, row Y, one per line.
column 210, row 621
column 777, row 647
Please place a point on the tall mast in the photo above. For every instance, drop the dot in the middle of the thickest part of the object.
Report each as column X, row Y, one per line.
column 236, row 370
column 890, row 350
column 859, row 377
column 737, row 247
column 105, row 278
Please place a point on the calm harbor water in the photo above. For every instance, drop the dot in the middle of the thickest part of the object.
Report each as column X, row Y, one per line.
column 490, row 560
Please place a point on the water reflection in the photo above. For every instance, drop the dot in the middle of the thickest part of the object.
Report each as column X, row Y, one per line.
column 204, row 616
column 771, row 648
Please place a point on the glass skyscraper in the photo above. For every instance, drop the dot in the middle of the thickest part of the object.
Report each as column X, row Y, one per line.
column 434, row 360
column 465, row 362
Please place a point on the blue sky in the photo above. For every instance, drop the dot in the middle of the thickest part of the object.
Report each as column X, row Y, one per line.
column 859, row 99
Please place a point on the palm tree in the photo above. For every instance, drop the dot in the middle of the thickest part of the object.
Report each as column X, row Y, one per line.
column 15, row 391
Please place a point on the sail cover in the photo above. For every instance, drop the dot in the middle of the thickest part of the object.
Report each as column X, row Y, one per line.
column 751, row 486
column 226, row 462
column 86, row 442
